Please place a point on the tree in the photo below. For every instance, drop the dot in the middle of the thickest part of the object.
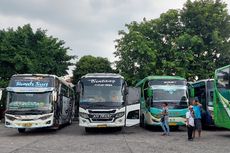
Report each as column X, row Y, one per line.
column 191, row 43
column 207, row 23
column 25, row 51
column 91, row 64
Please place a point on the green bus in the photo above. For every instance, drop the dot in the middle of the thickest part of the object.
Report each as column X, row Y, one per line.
column 222, row 97
column 204, row 91
column 155, row 90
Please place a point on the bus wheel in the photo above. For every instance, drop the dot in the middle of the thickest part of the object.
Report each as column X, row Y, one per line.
column 22, row 130
column 87, row 130
column 142, row 123
column 70, row 121
column 119, row 128
column 176, row 128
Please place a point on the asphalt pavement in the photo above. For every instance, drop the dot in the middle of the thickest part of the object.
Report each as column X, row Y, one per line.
column 73, row 139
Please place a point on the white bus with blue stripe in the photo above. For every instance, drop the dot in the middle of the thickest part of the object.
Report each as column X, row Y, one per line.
column 37, row 101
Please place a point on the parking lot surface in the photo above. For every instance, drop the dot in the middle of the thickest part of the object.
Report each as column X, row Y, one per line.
column 73, row 139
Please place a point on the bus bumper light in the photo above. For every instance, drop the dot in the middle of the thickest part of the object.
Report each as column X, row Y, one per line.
column 48, row 122
column 7, row 123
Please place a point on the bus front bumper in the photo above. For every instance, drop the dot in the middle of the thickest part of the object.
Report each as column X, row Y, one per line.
column 119, row 122
column 28, row 121
column 173, row 121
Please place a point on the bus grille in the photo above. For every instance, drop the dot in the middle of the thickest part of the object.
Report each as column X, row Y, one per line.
column 102, row 116
column 102, row 120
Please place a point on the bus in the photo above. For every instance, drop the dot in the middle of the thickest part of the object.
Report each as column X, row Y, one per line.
column 222, row 97
column 204, row 91
column 155, row 90
column 2, row 102
column 107, row 101
column 37, row 101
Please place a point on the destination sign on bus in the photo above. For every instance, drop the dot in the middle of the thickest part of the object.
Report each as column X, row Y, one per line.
column 167, row 82
column 102, row 82
column 35, row 82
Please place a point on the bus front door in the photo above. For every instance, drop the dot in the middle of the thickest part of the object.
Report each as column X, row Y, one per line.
column 133, row 106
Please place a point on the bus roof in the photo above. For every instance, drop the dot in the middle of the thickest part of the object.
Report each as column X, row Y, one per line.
column 224, row 67
column 204, row 80
column 36, row 75
column 201, row 82
column 102, row 75
column 159, row 78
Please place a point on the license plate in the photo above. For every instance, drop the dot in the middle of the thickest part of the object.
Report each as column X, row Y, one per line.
column 27, row 124
column 102, row 126
column 172, row 124
column 101, row 115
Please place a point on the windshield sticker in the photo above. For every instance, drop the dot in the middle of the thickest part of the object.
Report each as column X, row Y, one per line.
column 29, row 82
column 167, row 82
column 31, row 105
column 102, row 82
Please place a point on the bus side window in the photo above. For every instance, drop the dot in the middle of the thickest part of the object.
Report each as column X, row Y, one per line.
column 147, row 100
column 56, row 83
column 64, row 90
column 79, row 89
column 71, row 94
column 146, row 86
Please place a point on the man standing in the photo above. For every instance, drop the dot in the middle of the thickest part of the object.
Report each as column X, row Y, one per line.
column 197, row 117
column 190, row 122
column 164, row 119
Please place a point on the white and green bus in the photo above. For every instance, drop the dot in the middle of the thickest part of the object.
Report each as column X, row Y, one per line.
column 222, row 97
column 38, row 100
column 106, row 101
column 155, row 90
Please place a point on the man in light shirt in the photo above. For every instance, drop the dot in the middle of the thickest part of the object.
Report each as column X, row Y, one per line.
column 190, row 122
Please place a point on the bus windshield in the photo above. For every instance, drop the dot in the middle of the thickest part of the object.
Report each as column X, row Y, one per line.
column 175, row 96
column 29, row 101
column 223, row 82
column 102, row 94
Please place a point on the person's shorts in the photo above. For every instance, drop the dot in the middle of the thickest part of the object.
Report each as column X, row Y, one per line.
column 198, row 125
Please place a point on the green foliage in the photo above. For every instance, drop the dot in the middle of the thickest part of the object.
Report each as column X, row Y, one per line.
column 25, row 51
column 191, row 43
column 91, row 64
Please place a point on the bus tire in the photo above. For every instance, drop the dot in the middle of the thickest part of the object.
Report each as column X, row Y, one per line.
column 70, row 121
column 119, row 128
column 176, row 128
column 88, row 130
column 142, row 123
column 21, row 130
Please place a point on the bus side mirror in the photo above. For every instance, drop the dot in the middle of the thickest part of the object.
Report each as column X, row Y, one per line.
column 191, row 92
column 126, row 91
column 78, row 87
column 150, row 92
column 54, row 96
column 0, row 94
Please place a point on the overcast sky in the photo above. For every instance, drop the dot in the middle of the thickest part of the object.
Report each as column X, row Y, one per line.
column 89, row 27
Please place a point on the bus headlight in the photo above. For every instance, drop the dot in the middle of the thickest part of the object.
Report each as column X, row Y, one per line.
column 120, row 114
column 45, row 117
column 11, row 118
column 83, row 115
